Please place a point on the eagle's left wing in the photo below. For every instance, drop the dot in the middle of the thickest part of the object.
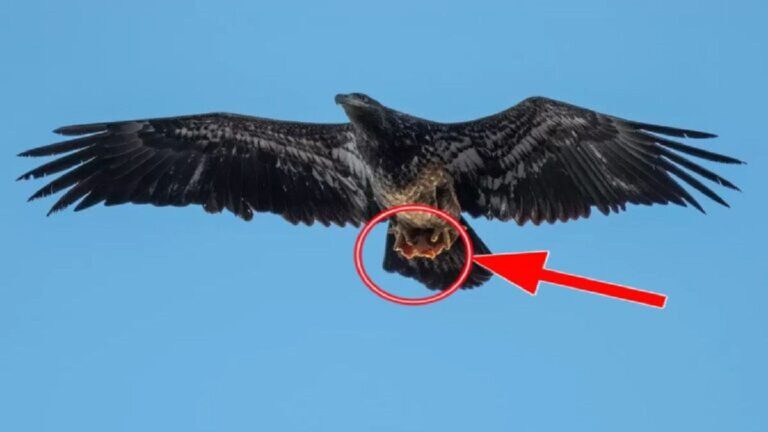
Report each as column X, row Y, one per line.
column 544, row 160
column 302, row 171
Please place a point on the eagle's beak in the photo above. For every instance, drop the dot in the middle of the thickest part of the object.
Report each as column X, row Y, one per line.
column 350, row 100
column 341, row 99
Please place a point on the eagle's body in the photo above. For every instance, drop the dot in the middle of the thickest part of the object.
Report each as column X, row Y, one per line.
column 541, row 160
column 406, row 171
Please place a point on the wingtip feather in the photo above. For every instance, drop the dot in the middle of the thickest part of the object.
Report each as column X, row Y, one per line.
column 672, row 131
column 80, row 129
column 699, row 135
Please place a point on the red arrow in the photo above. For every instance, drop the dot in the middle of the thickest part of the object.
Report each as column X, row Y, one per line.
column 526, row 270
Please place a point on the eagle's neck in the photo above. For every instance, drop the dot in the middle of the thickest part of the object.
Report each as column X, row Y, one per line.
column 390, row 142
column 389, row 151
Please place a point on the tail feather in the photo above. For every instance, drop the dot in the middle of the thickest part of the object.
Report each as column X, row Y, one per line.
column 440, row 272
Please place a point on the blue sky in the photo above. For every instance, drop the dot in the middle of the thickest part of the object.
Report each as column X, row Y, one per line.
column 138, row 318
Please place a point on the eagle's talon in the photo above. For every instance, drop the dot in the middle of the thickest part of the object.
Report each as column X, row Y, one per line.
column 422, row 243
column 436, row 234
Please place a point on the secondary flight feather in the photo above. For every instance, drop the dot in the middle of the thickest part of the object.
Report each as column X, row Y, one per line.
column 540, row 160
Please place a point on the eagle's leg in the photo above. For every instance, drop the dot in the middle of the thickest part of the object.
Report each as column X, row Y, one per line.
column 422, row 235
column 423, row 243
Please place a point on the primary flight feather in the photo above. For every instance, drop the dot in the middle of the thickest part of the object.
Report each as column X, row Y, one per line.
column 541, row 160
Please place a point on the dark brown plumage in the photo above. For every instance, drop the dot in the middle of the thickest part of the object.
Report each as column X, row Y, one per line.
column 541, row 160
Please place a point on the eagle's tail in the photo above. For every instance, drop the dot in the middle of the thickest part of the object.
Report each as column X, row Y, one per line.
column 440, row 272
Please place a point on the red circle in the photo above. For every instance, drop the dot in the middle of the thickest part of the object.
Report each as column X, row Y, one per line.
column 407, row 301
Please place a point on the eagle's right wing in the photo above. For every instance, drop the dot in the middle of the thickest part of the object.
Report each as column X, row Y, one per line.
column 304, row 172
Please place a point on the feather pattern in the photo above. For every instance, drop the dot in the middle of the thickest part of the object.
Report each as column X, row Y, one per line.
column 544, row 160
column 214, row 160
column 538, row 161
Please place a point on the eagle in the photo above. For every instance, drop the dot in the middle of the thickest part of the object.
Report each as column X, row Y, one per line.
column 541, row 160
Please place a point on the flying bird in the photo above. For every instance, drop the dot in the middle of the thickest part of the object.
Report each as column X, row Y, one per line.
column 539, row 161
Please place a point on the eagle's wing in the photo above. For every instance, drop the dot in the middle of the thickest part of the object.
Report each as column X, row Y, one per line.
column 304, row 172
column 544, row 160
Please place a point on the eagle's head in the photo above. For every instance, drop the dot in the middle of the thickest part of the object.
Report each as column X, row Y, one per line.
column 354, row 101
column 365, row 112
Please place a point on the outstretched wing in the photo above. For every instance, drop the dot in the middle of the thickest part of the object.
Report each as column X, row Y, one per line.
column 544, row 160
column 304, row 172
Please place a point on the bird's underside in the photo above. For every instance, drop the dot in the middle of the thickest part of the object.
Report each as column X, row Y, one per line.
column 540, row 160
column 422, row 235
